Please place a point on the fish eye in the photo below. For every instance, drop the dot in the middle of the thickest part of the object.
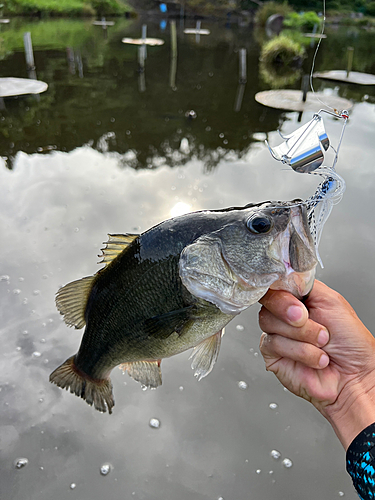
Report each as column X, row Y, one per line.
column 259, row 225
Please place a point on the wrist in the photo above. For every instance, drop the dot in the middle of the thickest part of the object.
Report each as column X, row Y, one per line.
column 353, row 410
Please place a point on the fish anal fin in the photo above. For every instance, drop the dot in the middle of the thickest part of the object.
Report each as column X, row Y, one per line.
column 115, row 245
column 94, row 392
column 147, row 373
column 205, row 354
column 71, row 301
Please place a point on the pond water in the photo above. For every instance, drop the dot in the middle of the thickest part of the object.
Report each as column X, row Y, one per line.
column 108, row 149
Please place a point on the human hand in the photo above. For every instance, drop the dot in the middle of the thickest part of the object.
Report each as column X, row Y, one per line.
column 323, row 353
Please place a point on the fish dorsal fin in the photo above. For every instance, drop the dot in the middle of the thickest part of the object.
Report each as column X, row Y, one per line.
column 71, row 301
column 115, row 245
column 205, row 354
column 148, row 373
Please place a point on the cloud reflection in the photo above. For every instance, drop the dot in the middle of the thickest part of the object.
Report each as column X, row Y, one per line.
column 56, row 211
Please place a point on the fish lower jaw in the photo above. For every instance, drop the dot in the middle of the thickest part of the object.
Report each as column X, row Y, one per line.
column 299, row 284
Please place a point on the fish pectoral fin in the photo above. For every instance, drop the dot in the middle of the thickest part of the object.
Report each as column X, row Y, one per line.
column 205, row 354
column 148, row 373
column 162, row 326
column 115, row 245
column 71, row 301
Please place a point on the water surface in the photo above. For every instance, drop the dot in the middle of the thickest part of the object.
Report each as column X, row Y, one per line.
column 99, row 153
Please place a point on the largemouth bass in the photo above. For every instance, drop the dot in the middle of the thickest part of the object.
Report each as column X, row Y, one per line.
column 175, row 287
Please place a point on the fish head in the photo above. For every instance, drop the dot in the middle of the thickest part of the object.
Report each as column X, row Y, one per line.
column 260, row 247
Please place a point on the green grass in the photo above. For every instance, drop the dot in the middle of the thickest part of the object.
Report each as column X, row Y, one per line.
column 66, row 7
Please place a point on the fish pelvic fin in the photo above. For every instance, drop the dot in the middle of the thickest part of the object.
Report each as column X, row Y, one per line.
column 71, row 301
column 147, row 373
column 115, row 245
column 205, row 354
column 94, row 392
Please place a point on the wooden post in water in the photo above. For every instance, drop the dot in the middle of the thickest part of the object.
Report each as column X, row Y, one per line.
column 242, row 79
column 144, row 36
column 305, row 87
column 30, row 64
column 172, row 79
column 141, row 69
column 197, row 34
column 243, row 70
column 350, row 61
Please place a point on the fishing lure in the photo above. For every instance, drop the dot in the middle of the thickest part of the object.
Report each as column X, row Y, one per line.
column 303, row 151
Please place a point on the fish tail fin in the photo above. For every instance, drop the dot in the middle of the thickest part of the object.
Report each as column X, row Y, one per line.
column 94, row 392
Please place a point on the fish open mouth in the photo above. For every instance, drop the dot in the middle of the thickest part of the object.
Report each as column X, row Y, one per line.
column 294, row 247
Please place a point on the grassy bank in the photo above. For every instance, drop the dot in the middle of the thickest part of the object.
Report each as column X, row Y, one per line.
column 66, row 8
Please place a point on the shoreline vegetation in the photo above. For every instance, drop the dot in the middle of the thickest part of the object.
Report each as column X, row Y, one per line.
column 351, row 12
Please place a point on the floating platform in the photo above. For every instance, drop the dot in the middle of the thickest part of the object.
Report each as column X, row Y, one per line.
column 315, row 35
column 12, row 87
column 342, row 76
column 291, row 100
column 143, row 41
column 103, row 23
column 194, row 31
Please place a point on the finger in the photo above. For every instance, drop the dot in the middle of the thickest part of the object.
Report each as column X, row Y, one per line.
column 310, row 332
column 274, row 347
column 285, row 306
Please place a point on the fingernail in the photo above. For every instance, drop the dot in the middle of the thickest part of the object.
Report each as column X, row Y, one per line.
column 294, row 314
column 323, row 338
column 323, row 361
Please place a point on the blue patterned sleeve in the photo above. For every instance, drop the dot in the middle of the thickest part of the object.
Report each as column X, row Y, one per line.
column 360, row 463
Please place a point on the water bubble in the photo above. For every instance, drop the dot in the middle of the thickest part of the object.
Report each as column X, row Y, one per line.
column 270, row 472
column 220, row 498
column 221, row 135
column 181, row 388
column 273, row 406
column 191, row 114
column 208, row 129
column 16, row 291
column 5, row 277
column 72, row 486
column 144, row 387
column 240, row 328
column 341, row 494
column 275, row 454
column 36, row 354
column 258, row 471
column 25, row 301
column 105, row 469
column 242, row 385
column 287, row 463
column 154, row 423
column 19, row 463
column 36, row 292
